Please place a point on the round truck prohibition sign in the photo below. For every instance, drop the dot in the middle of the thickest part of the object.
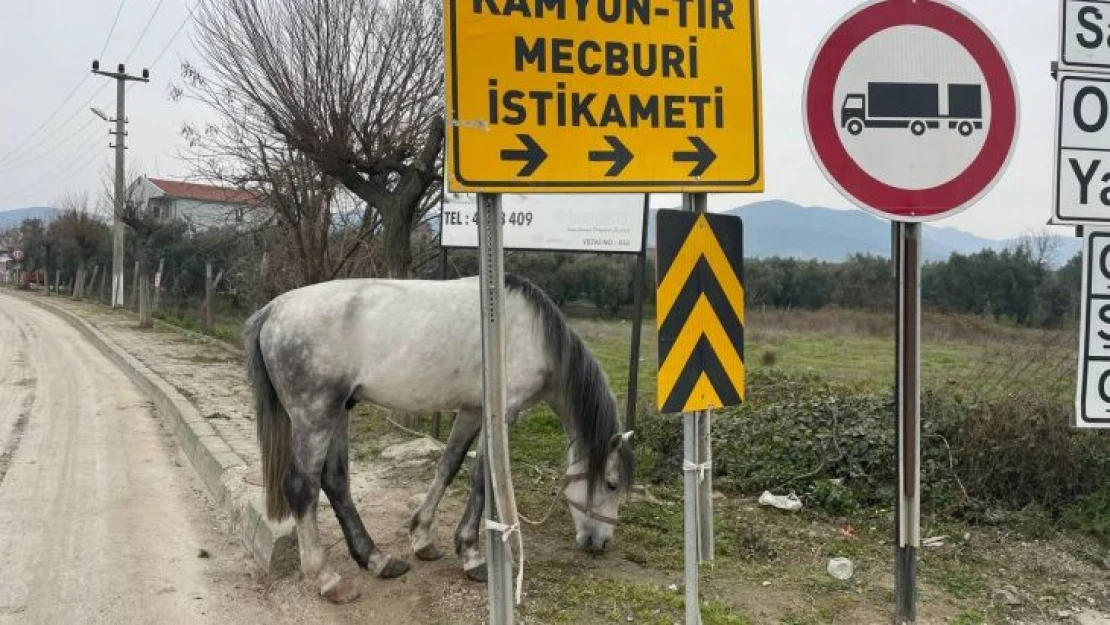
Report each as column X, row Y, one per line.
column 910, row 109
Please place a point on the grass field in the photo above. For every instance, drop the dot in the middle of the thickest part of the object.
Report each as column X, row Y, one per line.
column 770, row 566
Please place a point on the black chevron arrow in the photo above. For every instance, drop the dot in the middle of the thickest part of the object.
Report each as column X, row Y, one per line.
column 701, row 155
column 532, row 155
column 619, row 155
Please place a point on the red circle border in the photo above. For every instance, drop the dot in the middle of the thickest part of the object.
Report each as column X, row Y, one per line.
column 915, row 204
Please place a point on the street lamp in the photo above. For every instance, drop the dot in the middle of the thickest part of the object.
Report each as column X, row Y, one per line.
column 99, row 113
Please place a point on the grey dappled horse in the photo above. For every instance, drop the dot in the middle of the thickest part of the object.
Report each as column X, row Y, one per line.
column 416, row 346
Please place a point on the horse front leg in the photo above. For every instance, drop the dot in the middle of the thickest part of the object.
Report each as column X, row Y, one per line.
column 421, row 524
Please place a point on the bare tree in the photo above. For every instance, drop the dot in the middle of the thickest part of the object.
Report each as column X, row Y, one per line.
column 79, row 226
column 1043, row 247
column 144, row 226
column 353, row 85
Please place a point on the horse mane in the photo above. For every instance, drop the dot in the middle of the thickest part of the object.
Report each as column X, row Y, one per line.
column 581, row 382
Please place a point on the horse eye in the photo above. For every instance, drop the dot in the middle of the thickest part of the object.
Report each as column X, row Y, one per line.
column 612, row 485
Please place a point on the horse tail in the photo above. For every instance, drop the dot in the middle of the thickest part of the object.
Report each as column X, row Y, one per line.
column 275, row 439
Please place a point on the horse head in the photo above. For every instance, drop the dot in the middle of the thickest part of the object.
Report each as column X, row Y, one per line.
column 594, row 500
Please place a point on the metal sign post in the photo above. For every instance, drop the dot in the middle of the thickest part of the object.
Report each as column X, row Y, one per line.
column 637, row 321
column 697, row 203
column 695, row 517
column 700, row 314
column 494, row 444
column 690, row 515
column 908, row 502
column 923, row 123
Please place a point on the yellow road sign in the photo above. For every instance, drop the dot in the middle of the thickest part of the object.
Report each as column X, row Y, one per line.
column 568, row 96
column 699, row 311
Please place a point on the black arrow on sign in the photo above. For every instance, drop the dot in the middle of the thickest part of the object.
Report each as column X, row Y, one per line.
column 532, row 155
column 702, row 155
column 619, row 155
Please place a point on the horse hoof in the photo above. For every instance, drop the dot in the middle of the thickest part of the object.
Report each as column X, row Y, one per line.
column 343, row 592
column 394, row 568
column 478, row 573
column 429, row 553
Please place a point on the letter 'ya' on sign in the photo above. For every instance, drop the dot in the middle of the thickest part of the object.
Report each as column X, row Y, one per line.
column 564, row 96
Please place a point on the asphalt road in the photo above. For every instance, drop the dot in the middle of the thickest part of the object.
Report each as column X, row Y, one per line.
column 101, row 520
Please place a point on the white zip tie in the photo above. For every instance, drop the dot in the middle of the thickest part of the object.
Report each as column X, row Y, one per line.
column 506, row 532
column 701, row 468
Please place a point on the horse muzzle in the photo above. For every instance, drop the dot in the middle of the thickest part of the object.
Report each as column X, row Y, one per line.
column 593, row 543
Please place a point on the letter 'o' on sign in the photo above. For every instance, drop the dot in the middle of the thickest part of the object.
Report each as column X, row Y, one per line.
column 580, row 96
column 911, row 109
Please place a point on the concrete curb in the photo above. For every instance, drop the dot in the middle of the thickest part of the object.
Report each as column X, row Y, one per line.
column 221, row 469
column 202, row 338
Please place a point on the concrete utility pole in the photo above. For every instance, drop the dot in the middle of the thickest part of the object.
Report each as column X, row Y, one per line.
column 121, row 78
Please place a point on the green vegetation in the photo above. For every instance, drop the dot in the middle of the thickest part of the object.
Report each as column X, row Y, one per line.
column 570, row 598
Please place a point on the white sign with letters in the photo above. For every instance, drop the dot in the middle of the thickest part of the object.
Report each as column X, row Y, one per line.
column 1082, row 185
column 611, row 223
column 1092, row 408
column 1085, row 34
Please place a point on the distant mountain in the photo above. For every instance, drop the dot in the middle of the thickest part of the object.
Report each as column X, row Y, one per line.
column 12, row 218
column 779, row 228
column 785, row 229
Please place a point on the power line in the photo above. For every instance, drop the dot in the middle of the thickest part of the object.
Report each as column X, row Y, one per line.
column 85, row 155
column 176, row 33
column 15, row 151
column 115, row 21
column 65, row 122
column 142, row 35
column 84, row 150
column 46, row 121
column 65, row 140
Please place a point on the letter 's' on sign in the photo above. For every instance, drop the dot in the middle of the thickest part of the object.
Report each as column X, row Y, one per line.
column 569, row 96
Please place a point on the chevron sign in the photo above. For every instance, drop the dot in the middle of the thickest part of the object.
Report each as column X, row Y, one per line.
column 699, row 311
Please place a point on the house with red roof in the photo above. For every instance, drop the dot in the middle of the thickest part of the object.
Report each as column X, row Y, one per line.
column 202, row 206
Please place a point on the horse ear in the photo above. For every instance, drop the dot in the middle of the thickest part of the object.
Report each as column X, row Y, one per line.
column 619, row 439
column 615, row 441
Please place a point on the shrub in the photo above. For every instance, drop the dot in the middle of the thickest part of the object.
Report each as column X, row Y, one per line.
column 799, row 432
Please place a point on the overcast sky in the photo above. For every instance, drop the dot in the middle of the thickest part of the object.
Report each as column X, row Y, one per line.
column 50, row 143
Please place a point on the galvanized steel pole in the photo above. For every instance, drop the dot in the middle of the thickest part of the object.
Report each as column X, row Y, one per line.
column 698, row 203
column 637, row 322
column 690, row 514
column 698, row 510
column 908, row 500
column 492, row 281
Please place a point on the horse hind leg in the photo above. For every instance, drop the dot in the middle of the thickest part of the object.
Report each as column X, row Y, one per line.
column 337, row 486
column 301, row 486
column 421, row 524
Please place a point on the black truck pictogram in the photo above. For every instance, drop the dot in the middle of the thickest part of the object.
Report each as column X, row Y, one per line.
column 913, row 105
